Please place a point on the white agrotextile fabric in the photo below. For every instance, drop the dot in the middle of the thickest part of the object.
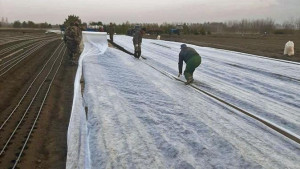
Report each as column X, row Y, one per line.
column 289, row 48
column 95, row 43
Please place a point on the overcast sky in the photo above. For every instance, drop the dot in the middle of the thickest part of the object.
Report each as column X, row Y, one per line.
column 149, row 11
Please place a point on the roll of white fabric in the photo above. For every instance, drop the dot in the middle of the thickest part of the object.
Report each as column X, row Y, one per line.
column 289, row 48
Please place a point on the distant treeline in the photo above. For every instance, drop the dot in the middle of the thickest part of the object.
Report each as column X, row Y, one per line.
column 28, row 24
column 265, row 26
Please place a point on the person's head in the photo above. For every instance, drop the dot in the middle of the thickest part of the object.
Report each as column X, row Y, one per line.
column 110, row 24
column 84, row 26
column 76, row 23
column 183, row 46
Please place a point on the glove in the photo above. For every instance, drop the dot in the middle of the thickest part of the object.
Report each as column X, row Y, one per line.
column 179, row 74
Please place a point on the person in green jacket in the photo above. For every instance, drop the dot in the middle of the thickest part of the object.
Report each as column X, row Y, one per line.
column 111, row 32
column 72, row 38
column 137, row 42
column 192, row 60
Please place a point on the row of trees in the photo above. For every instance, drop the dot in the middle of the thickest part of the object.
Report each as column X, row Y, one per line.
column 30, row 24
column 242, row 26
column 24, row 24
column 261, row 25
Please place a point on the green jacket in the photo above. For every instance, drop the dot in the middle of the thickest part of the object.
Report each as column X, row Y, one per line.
column 111, row 29
column 137, row 37
column 72, row 33
column 184, row 55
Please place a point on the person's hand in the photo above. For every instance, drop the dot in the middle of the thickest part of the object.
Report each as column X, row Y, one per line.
column 136, row 45
column 179, row 74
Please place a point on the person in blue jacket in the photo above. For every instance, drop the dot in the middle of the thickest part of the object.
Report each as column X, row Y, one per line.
column 192, row 60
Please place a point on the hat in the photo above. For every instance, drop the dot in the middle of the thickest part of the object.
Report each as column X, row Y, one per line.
column 183, row 46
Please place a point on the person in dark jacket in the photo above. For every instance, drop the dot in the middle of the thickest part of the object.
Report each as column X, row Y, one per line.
column 192, row 60
column 72, row 38
column 111, row 32
column 137, row 42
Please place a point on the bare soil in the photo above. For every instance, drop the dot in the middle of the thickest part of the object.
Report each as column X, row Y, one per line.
column 48, row 149
column 269, row 45
column 48, row 145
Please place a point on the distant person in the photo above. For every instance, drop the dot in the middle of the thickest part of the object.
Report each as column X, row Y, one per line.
column 72, row 39
column 101, row 28
column 137, row 42
column 79, row 30
column 111, row 32
column 192, row 60
column 158, row 37
column 84, row 27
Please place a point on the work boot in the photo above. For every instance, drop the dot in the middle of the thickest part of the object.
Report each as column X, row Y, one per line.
column 189, row 81
column 136, row 54
column 70, row 62
column 75, row 63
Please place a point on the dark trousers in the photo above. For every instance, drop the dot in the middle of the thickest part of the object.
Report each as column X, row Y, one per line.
column 111, row 37
column 191, row 65
column 137, row 50
column 72, row 49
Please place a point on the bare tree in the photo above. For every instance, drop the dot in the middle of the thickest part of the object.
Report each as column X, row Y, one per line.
column 297, row 22
column 288, row 25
